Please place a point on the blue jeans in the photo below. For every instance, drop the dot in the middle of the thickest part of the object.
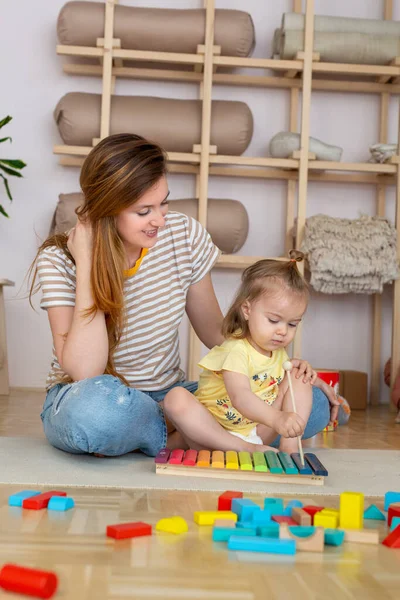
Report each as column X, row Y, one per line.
column 102, row 415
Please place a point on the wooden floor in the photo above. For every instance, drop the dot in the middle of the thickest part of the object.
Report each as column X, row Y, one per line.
column 91, row 566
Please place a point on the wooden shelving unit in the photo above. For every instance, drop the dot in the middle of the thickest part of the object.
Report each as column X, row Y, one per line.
column 204, row 161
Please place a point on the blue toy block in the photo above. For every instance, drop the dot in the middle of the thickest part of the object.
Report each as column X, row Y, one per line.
column 290, row 505
column 247, row 525
column 17, row 499
column 262, row 544
column 333, row 537
column 263, row 517
column 302, row 531
column 244, row 508
column 60, row 503
column 269, row 531
column 274, row 505
column 373, row 512
column 391, row 497
column 222, row 534
column 394, row 523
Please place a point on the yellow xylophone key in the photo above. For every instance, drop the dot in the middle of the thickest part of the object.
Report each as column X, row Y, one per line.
column 246, row 463
column 203, row 458
column 217, row 459
column 232, row 461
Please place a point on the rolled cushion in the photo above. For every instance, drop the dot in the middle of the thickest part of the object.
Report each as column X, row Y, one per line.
column 227, row 222
column 174, row 124
column 283, row 144
column 156, row 29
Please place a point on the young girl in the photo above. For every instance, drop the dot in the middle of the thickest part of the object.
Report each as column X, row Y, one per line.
column 243, row 384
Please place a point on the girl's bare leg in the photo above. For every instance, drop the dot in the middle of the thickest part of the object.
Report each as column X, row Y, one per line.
column 198, row 427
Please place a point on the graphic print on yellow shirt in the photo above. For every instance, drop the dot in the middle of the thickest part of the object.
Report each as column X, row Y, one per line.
column 264, row 373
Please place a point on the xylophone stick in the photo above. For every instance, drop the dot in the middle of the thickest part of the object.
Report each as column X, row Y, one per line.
column 287, row 365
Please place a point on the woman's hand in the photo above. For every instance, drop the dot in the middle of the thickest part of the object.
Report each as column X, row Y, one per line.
column 80, row 240
column 304, row 369
column 331, row 395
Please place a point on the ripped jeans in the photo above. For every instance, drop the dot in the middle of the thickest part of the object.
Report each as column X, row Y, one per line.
column 102, row 415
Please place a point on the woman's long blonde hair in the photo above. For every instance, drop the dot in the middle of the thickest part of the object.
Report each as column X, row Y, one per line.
column 115, row 175
column 258, row 279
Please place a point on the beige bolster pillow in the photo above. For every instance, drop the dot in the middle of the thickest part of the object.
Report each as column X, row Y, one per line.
column 227, row 222
column 156, row 29
column 174, row 124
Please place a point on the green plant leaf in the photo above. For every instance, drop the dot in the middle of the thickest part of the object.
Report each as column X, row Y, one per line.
column 3, row 212
column 15, row 163
column 6, row 186
column 10, row 171
column 5, row 139
column 5, row 121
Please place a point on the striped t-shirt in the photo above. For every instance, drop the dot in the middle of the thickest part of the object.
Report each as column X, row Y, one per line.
column 155, row 298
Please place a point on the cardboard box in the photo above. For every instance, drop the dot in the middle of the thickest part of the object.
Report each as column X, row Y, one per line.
column 353, row 385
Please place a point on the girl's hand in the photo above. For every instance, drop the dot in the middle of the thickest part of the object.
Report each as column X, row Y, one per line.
column 79, row 243
column 288, row 424
column 331, row 395
column 304, row 368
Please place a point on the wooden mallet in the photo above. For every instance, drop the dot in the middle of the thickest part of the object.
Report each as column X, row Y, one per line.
column 287, row 365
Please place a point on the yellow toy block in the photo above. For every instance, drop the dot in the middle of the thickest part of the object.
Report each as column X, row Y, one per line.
column 172, row 525
column 327, row 519
column 208, row 517
column 351, row 510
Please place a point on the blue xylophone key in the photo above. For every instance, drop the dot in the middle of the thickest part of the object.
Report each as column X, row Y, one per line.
column 306, row 470
column 287, row 463
column 316, row 465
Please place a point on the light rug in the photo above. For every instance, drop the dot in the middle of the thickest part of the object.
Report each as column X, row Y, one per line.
column 29, row 462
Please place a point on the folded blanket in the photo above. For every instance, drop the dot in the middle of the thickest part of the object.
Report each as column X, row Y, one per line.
column 381, row 153
column 327, row 23
column 350, row 256
column 283, row 144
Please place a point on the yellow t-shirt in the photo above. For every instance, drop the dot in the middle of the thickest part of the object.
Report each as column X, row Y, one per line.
column 265, row 374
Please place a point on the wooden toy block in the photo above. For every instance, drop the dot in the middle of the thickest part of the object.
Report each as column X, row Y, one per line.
column 176, row 456
column 123, row 531
column 274, row 505
column 244, row 508
column 225, row 499
column 60, row 503
column 332, row 427
column 190, row 458
column 175, row 525
column 394, row 511
column 373, row 512
column 390, row 498
column 245, row 461
column 312, row 510
column 282, row 519
column 220, row 534
column 334, row 537
column 163, row 456
column 301, row 517
column 262, row 517
column 41, row 500
column 249, row 525
column 303, row 469
column 351, row 510
column 208, row 517
column 393, row 539
column 232, row 460
column 260, row 464
column 203, row 458
column 287, row 463
column 262, row 544
column 31, row 582
column 224, row 523
column 394, row 523
column 274, row 464
column 18, row 498
column 308, row 539
column 218, row 460
column 361, row 536
column 269, row 531
column 328, row 520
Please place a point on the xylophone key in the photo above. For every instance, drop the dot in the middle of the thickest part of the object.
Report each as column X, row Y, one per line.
column 273, row 462
column 287, row 463
column 217, row 459
column 245, row 461
column 176, row 456
column 260, row 464
column 306, row 470
column 190, row 458
column 203, row 458
column 316, row 464
column 232, row 461
column 163, row 456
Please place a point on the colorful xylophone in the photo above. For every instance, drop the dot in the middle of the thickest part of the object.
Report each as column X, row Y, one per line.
column 255, row 466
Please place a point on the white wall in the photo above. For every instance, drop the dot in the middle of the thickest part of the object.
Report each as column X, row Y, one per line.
column 337, row 332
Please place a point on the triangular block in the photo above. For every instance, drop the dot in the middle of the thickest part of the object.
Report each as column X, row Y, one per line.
column 393, row 539
column 373, row 512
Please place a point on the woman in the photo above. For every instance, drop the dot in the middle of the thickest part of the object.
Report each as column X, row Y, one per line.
column 115, row 290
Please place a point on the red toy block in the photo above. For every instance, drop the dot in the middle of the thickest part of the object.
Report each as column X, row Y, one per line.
column 394, row 511
column 393, row 539
column 128, row 530
column 225, row 500
column 311, row 510
column 40, row 501
column 42, row 584
column 176, row 456
column 283, row 519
